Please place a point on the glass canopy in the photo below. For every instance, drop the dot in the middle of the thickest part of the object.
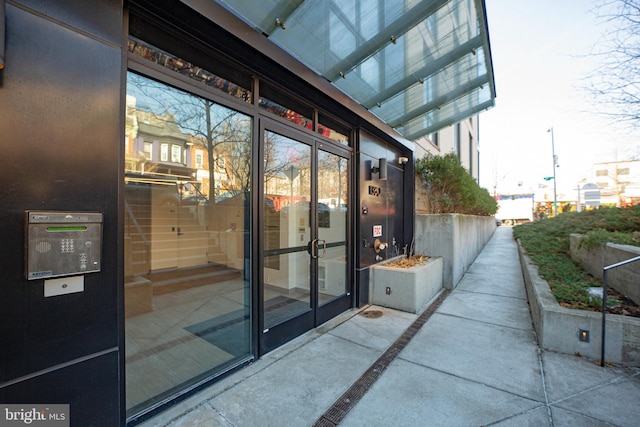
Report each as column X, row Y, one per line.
column 419, row 65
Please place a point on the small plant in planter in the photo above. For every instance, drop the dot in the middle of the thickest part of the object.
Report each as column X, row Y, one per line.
column 409, row 262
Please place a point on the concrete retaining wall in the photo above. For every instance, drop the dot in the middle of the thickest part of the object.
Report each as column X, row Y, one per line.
column 457, row 238
column 558, row 328
column 623, row 279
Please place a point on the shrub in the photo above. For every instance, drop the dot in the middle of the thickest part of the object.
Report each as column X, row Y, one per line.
column 547, row 243
column 450, row 189
column 594, row 238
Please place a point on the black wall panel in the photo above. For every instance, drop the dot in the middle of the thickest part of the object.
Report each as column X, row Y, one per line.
column 362, row 293
column 91, row 387
column 61, row 132
column 385, row 200
column 102, row 19
column 388, row 203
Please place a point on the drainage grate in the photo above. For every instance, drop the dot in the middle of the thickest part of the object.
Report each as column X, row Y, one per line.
column 348, row 400
column 371, row 314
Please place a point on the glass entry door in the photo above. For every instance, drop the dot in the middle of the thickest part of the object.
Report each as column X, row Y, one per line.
column 305, row 228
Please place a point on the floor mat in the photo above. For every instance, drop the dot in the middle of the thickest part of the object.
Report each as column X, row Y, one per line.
column 231, row 331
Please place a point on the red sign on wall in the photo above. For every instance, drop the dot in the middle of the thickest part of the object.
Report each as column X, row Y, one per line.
column 377, row 231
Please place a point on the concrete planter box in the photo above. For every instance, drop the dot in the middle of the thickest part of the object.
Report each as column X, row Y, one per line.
column 558, row 328
column 623, row 279
column 406, row 289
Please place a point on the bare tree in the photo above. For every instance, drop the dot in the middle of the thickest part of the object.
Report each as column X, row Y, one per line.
column 220, row 129
column 615, row 83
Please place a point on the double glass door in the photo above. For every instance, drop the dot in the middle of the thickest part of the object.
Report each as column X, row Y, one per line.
column 305, row 233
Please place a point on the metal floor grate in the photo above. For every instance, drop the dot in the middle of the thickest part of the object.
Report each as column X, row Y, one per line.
column 348, row 400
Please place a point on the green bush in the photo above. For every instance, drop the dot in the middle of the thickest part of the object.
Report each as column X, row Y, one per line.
column 450, row 189
column 594, row 238
column 547, row 243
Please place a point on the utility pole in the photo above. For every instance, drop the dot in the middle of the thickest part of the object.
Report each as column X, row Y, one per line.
column 555, row 165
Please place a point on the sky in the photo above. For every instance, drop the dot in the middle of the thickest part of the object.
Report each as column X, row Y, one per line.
column 541, row 63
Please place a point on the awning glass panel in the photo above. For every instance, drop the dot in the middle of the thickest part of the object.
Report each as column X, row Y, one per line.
column 413, row 63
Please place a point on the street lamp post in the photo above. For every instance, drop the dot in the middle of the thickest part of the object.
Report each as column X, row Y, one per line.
column 555, row 165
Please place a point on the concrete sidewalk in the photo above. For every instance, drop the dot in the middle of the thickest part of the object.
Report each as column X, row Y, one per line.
column 475, row 362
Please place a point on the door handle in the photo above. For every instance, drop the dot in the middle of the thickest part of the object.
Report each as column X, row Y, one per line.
column 312, row 248
column 324, row 248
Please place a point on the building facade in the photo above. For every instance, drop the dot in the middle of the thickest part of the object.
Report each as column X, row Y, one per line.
column 181, row 195
column 618, row 182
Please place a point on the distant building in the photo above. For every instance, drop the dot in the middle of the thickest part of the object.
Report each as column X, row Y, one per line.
column 619, row 182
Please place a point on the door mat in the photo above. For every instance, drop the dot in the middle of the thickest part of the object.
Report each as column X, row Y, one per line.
column 231, row 331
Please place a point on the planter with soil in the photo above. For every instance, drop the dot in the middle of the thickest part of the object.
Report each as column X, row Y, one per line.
column 406, row 284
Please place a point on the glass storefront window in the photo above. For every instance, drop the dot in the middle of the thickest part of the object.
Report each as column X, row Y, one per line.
column 332, row 129
column 286, row 113
column 171, row 62
column 186, row 240
column 281, row 104
column 275, row 101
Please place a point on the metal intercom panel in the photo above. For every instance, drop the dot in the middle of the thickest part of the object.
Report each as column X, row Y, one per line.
column 62, row 243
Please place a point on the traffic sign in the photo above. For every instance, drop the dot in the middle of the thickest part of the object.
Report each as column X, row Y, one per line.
column 591, row 194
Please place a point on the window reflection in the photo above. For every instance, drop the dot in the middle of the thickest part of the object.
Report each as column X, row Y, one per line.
column 328, row 131
column 333, row 194
column 286, row 113
column 287, row 186
column 333, row 130
column 186, row 240
column 185, row 68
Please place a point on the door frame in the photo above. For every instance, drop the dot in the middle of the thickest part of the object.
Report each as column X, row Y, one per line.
column 269, row 339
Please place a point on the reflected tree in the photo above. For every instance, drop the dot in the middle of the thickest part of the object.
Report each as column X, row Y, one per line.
column 224, row 133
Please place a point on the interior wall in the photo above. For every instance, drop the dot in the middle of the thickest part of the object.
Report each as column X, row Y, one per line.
column 60, row 121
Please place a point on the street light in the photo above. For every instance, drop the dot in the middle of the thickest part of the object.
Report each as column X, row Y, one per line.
column 555, row 165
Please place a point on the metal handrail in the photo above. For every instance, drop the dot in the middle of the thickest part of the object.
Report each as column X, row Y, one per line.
column 604, row 298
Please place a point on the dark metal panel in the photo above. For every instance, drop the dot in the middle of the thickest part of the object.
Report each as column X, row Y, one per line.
column 101, row 18
column 396, row 217
column 285, row 332
column 383, row 200
column 363, row 287
column 60, row 121
column 2, row 24
column 89, row 387
column 373, row 210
